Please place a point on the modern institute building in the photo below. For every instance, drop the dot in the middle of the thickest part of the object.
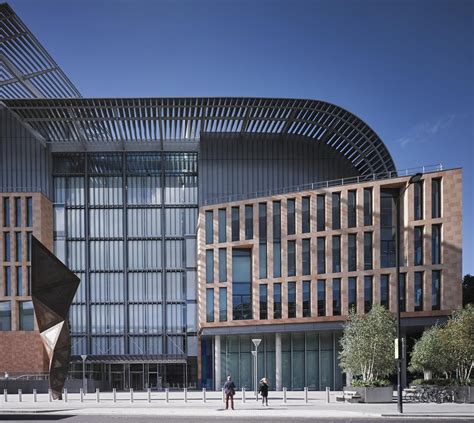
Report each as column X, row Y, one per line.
column 199, row 224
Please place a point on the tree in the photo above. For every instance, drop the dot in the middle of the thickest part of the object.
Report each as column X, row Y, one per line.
column 468, row 290
column 368, row 344
column 427, row 355
column 458, row 339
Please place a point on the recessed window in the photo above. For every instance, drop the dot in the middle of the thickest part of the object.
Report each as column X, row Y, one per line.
column 418, row 259
column 368, row 297
column 277, row 300
column 436, row 244
column 263, row 295
column 5, row 316
column 336, row 210
column 209, row 304
column 241, row 284
column 6, row 246
column 436, row 290
column 222, row 304
column 436, row 198
column 209, row 266
column 336, row 253
column 235, row 223
column 320, row 212
column 248, row 222
column 368, row 251
column 8, row 281
column 306, row 298
column 385, row 291
column 262, row 260
column 6, row 212
column 321, row 297
column 336, row 297
column 17, row 212
column 290, row 207
column 306, row 215
column 321, row 252
column 209, row 227
column 19, row 281
column 418, row 291
column 291, row 299
column 352, row 208
column 18, row 246
column 291, row 258
column 29, row 212
column 368, row 206
column 306, row 256
column 418, row 203
column 222, row 264
column 222, row 237
column 352, row 294
column 26, row 315
column 352, row 252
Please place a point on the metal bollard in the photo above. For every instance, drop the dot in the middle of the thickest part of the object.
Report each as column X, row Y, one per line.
column 97, row 394
column 284, row 395
column 50, row 395
column 167, row 395
column 114, row 395
column 203, row 394
column 65, row 395
column 5, row 394
column 328, row 389
column 19, row 395
column 34, row 395
column 243, row 393
column 185, row 394
column 131, row 394
column 81, row 394
column 305, row 394
column 149, row 394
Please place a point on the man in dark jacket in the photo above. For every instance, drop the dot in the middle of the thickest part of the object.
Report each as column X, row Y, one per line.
column 263, row 390
column 229, row 391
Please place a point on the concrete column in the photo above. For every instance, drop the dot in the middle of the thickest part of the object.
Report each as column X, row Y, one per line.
column 278, row 386
column 217, row 362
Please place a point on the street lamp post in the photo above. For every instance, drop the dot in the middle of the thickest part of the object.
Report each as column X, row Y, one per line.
column 399, row 347
column 84, row 357
column 256, row 342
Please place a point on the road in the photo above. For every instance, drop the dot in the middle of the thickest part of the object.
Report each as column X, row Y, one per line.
column 45, row 418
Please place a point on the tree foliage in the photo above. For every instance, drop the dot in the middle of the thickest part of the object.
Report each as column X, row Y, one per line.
column 427, row 356
column 368, row 344
column 447, row 350
column 468, row 290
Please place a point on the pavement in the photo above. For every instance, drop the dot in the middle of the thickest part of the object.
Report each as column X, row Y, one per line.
column 295, row 408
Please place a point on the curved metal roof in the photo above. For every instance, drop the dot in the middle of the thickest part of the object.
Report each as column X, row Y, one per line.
column 141, row 121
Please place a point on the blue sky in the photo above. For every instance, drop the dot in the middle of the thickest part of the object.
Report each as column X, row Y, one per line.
column 404, row 67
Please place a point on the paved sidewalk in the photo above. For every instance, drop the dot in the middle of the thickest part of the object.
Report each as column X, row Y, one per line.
column 295, row 406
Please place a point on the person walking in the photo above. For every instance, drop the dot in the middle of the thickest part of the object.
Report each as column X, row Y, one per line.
column 263, row 390
column 229, row 391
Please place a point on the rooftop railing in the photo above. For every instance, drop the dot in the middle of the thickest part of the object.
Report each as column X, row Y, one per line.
column 324, row 184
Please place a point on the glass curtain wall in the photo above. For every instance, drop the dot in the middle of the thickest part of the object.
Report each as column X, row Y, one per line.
column 125, row 223
column 308, row 359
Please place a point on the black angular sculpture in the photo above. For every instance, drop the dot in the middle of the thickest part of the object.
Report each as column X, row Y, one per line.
column 53, row 287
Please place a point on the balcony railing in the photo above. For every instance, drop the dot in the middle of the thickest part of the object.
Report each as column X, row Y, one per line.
column 324, row 184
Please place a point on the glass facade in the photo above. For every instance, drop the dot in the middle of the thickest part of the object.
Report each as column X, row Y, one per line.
column 308, row 359
column 126, row 224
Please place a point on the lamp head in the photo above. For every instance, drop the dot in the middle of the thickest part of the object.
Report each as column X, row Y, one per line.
column 415, row 178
